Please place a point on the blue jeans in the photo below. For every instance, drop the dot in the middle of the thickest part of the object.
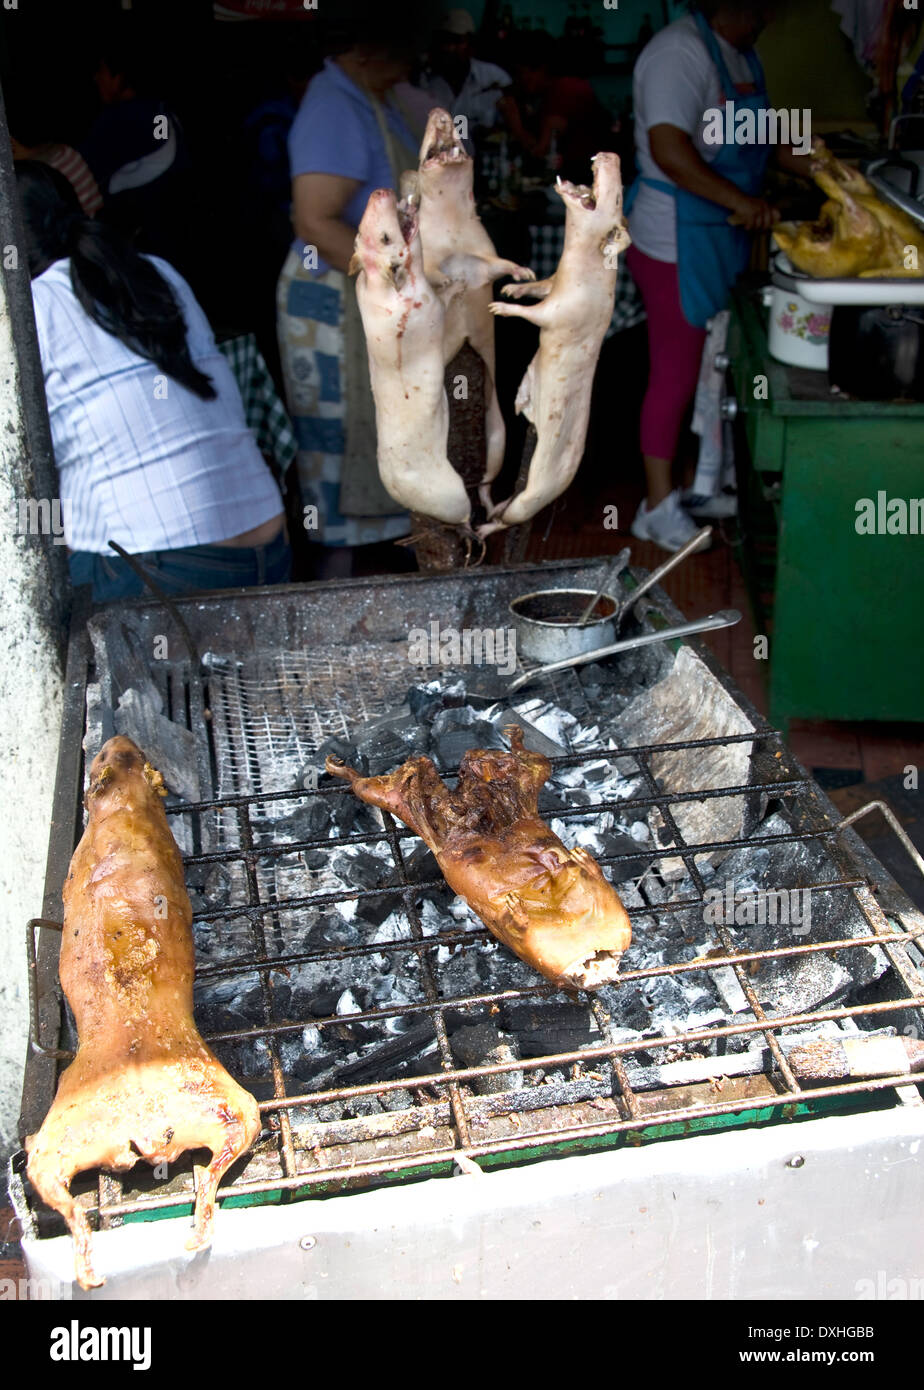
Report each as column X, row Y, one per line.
column 184, row 571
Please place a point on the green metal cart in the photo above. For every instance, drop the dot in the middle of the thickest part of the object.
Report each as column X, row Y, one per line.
column 844, row 610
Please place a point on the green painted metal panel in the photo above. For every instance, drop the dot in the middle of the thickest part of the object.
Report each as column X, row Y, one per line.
column 759, row 1117
column 847, row 626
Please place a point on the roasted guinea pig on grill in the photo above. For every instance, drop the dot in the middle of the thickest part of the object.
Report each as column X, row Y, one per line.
column 143, row 1083
column 551, row 905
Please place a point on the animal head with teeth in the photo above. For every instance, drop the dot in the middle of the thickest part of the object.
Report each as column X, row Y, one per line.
column 442, row 153
column 598, row 206
column 385, row 241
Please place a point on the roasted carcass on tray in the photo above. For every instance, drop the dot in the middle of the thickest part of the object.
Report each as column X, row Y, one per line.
column 143, row 1084
column 857, row 233
column 552, row 906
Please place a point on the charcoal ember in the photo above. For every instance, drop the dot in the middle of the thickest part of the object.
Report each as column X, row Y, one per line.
column 432, row 917
column 225, row 1005
column 451, row 746
column 595, row 773
column 307, row 1067
column 393, row 927
column 551, row 801
column 332, row 930
column 342, row 748
column 198, row 901
column 373, row 911
column 483, row 1045
column 614, row 842
column 360, row 869
column 307, row 822
column 314, row 858
column 396, row 1100
column 196, row 877
column 455, row 731
column 545, row 1026
column 464, row 717
column 382, row 752
column 282, row 999
column 382, row 989
column 626, row 1008
column 420, row 865
column 219, row 885
column 424, row 701
column 398, row 721
column 596, row 673
column 322, row 1002
column 794, row 984
column 345, row 814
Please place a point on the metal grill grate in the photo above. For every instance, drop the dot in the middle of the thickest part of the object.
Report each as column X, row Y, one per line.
column 269, row 714
column 446, row 1122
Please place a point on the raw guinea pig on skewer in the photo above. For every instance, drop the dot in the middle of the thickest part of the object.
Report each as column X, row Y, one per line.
column 403, row 318
column 143, row 1084
column 461, row 263
column 575, row 308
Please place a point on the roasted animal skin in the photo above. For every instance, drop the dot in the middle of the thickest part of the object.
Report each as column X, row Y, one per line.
column 551, row 905
column 143, row 1083
column 857, row 233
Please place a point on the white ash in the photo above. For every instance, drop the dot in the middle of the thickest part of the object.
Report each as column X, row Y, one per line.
column 689, row 703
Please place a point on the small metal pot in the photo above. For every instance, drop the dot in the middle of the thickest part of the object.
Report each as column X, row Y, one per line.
column 547, row 623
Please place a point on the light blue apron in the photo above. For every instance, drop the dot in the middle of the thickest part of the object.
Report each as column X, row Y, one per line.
column 711, row 254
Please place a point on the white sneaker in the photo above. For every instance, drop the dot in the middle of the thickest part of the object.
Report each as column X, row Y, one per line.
column 721, row 507
column 667, row 524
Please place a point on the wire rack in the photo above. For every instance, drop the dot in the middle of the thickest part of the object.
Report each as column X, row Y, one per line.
column 442, row 1121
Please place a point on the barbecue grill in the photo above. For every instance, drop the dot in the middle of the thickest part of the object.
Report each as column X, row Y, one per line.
column 393, row 1045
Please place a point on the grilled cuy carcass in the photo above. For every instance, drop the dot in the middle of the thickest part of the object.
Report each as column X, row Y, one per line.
column 143, row 1084
column 551, row 905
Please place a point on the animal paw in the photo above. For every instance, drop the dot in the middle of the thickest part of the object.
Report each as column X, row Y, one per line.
column 514, row 905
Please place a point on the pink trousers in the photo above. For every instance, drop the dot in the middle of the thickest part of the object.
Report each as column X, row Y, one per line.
column 675, row 349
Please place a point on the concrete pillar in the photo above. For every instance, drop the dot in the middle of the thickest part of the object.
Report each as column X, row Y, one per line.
column 33, row 598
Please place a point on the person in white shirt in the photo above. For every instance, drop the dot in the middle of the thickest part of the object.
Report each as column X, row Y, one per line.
column 685, row 255
column 147, row 421
column 461, row 84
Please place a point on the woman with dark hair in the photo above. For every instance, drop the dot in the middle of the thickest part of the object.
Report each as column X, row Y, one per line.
column 146, row 419
column 691, row 212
